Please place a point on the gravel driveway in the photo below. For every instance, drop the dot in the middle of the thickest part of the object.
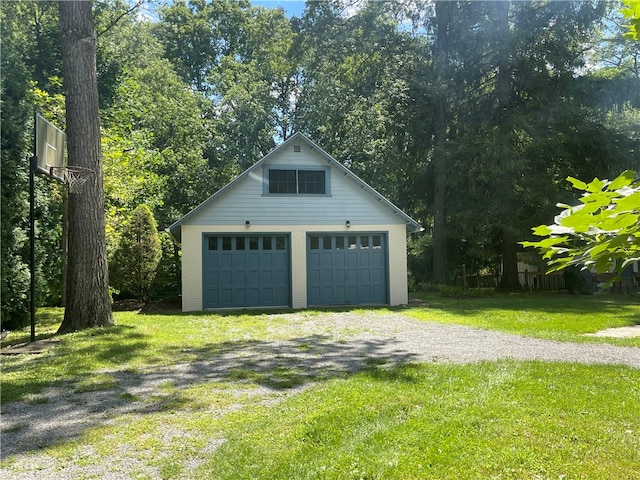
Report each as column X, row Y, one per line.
column 318, row 346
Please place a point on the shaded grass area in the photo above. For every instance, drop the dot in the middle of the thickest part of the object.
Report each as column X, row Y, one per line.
column 137, row 343
column 232, row 414
column 550, row 316
column 143, row 341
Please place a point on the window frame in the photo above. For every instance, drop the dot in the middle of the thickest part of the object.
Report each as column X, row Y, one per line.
column 327, row 179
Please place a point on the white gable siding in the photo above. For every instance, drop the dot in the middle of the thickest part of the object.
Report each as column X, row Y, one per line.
column 192, row 236
column 348, row 200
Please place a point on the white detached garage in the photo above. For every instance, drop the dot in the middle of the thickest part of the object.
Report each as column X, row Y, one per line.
column 297, row 229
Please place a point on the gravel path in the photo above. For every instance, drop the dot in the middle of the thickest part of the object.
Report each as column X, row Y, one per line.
column 318, row 346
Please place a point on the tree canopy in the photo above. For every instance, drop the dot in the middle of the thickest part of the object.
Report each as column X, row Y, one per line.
column 603, row 231
column 467, row 115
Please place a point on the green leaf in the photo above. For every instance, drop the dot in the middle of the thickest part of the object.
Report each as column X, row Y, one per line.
column 541, row 230
column 595, row 186
column 623, row 180
column 599, row 233
column 579, row 184
column 629, row 202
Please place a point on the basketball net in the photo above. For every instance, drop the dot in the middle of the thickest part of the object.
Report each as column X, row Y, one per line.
column 74, row 177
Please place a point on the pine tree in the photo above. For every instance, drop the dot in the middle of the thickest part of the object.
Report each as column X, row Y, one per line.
column 135, row 261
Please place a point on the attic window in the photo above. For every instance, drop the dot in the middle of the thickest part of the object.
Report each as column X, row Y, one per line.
column 296, row 148
column 297, row 181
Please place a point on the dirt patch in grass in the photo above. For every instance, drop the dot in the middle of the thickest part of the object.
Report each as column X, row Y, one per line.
column 618, row 332
column 38, row 346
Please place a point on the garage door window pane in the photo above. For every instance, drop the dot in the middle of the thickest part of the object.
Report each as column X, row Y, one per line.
column 326, row 243
column 364, row 242
column 377, row 241
column 339, row 243
column 239, row 243
column 226, row 243
column 254, row 243
column 280, row 243
column 266, row 243
column 352, row 243
column 314, row 243
column 213, row 243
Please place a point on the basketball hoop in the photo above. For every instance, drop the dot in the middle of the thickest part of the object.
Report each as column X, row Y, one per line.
column 74, row 177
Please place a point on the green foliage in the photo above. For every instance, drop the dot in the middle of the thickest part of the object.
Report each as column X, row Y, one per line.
column 632, row 12
column 155, row 133
column 166, row 284
column 30, row 79
column 365, row 96
column 134, row 262
column 190, row 99
column 518, row 120
column 14, row 192
column 603, row 232
column 238, row 58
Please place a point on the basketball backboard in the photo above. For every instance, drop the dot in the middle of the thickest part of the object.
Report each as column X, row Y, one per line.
column 50, row 145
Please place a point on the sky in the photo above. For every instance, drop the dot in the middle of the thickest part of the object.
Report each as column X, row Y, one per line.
column 291, row 7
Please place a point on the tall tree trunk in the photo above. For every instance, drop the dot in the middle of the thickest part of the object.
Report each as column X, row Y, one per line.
column 510, row 280
column 88, row 302
column 444, row 12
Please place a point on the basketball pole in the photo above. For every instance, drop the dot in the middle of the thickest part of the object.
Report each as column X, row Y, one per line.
column 33, row 161
column 48, row 148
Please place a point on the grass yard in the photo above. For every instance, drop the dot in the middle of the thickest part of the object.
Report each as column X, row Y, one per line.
column 550, row 316
column 492, row 420
column 505, row 419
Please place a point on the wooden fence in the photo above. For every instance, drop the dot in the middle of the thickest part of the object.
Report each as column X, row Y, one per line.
column 542, row 281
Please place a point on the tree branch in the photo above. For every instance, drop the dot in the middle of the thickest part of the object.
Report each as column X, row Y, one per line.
column 115, row 21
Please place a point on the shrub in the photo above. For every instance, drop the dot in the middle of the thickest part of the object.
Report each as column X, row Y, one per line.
column 135, row 261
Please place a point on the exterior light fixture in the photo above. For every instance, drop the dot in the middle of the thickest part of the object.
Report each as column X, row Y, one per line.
column 348, row 224
column 247, row 223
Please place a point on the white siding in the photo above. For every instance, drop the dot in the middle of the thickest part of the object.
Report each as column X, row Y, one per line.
column 192, row 258
column 246, row 199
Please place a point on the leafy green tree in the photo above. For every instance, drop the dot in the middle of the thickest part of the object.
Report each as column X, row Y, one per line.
column 135, row 261
column 30, row 79
column 632, row 12
column 238, row 58
column 14, row 192
column 363, row 96
column 155, row 132
column 523, row 120
column 166, row 284
column 154, row 140
column 443, row 126
column 602, row 232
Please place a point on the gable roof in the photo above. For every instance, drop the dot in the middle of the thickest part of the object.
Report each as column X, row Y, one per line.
column 412, row 225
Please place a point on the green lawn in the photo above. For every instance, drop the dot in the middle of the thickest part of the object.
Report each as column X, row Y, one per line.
column 493, row 420
column 552, row 316
column 505, row 419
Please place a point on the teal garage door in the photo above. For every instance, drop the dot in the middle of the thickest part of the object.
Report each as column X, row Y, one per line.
column 347, row 269
column 246, row 271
